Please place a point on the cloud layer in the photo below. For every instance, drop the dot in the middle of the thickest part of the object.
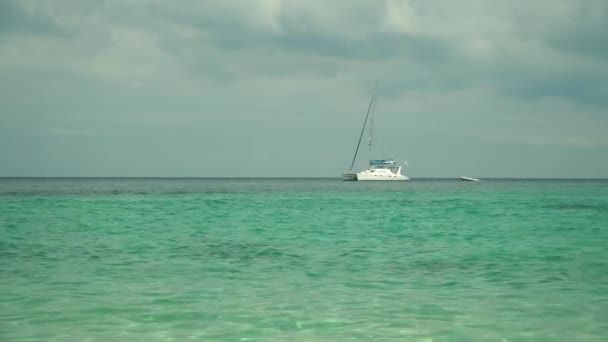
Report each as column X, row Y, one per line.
column 279, row 87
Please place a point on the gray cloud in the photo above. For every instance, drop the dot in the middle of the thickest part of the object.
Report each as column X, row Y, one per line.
column 291, row 78
column 14, row 17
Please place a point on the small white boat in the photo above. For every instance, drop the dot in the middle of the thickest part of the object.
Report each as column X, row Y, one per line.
column 470, row 179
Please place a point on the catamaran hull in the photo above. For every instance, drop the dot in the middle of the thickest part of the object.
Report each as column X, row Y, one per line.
column 369, row 177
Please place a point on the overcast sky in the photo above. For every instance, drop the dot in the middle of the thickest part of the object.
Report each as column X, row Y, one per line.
column 280, row 87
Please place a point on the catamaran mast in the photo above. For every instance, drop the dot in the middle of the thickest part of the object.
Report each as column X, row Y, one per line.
column 363, row 129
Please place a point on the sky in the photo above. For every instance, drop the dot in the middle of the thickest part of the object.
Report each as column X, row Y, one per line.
column 280, row 88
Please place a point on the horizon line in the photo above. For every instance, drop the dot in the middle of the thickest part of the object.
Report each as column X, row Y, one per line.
column 287, row 177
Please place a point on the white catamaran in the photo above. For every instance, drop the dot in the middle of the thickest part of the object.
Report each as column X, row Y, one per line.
column 378, row 169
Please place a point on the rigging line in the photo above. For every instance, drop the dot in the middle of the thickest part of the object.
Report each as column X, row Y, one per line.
column 372, row 127
column 376, row 143
column 362, row 130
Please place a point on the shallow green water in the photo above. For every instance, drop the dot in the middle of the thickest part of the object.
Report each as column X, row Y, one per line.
column 303, row 260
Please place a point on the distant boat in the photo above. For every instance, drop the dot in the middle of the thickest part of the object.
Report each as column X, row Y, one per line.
column 382, row 169
column 378, row 169
column 470, row 179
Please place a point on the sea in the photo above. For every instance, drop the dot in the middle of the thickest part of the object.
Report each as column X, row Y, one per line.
column 203, row 259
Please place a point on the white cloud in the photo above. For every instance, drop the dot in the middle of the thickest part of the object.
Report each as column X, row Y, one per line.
column 401, row 17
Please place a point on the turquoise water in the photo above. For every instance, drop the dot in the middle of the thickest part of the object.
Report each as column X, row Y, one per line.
column 303, row 260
